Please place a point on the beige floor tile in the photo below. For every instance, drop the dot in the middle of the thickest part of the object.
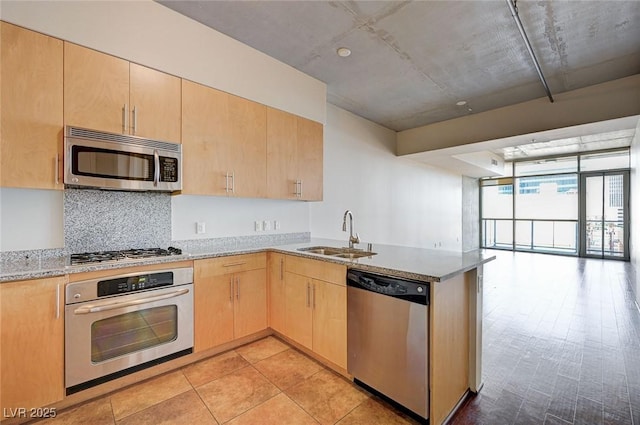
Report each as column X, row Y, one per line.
column 261, row 349
column 185, row 408
column 207, row 370
column 279, row 410
column 327, row 396
column 97, row 412
column 374, row 411
column 288, row 368
column 236, row 392
column 148, row 393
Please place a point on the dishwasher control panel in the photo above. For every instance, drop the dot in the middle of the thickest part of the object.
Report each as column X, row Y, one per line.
column 410, row 290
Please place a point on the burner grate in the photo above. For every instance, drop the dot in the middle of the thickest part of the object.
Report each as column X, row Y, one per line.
column 131, row 254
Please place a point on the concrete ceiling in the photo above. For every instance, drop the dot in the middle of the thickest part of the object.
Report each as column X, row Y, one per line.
column 412, row 61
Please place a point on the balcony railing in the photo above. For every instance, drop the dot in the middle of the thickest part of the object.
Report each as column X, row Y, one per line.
column 556, row 236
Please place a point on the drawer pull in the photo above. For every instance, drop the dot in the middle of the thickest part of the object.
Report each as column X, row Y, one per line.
column 234, row 264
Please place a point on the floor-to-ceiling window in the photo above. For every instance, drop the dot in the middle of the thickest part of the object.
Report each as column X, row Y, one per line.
column 574, row 205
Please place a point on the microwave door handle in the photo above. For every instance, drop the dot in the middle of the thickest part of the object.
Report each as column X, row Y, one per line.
column 156, row 174
column 96, row 308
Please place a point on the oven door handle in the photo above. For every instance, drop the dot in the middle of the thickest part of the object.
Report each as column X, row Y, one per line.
column 96, row 308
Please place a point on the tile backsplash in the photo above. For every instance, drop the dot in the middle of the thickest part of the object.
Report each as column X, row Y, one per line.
column 96, row 220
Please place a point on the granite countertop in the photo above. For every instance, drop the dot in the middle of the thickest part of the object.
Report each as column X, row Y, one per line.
column 430, row 265
column 412, row 263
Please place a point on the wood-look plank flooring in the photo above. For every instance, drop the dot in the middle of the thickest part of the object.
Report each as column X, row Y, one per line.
column 561, row 343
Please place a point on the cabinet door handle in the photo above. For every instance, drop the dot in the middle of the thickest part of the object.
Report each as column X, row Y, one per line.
column 226, row 182
column 237, row 288
column 282, row 269
column 233, row 182
column 300, row 191
column 57, row 168
column 135, row 120
column 314, row 296
column 308, row 302
column 231, row 289
column 58, row 301
column 125, row 118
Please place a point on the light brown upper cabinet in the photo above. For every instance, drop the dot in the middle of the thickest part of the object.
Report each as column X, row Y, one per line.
column 32, row 118
column 102, row 92
column 294, row 157
column 224, row 143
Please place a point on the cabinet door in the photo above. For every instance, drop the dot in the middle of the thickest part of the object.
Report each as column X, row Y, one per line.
column 32, row 352
column 282, row 159
column 298, row 316
column 277, row 306
column 206, row 147
column 310, row 145
column 31, row 104
column 248, row 127
column 213, row 309
column 330, row 322
column 250, row 314
column 96, row 89
column 155, row 102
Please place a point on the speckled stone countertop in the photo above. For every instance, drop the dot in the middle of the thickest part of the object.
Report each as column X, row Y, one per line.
column 430, row 265
column 412, row 263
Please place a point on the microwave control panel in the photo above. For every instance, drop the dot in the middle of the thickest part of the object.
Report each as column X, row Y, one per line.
column 168, row 169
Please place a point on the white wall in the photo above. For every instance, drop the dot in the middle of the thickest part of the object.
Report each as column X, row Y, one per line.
column 635, row 208
column 234, row 216
column 394, row 200
column 148, row 33
column 31, row 219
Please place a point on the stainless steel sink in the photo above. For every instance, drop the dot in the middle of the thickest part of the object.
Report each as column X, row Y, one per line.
column 349, row 253
column 352, row 255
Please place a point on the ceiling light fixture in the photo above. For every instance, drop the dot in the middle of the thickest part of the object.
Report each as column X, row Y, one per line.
column 343, row 52
column 461, row 102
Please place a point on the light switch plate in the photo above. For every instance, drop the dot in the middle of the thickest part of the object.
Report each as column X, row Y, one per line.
column 201, row 227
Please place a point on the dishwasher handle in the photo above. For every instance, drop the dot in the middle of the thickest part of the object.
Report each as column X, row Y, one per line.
column 404, row 289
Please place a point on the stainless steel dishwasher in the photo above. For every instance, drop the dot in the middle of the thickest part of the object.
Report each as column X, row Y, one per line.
column 387, row 337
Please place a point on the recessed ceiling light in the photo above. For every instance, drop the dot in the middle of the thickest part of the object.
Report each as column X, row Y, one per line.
column 343, row 52
column 461, row 102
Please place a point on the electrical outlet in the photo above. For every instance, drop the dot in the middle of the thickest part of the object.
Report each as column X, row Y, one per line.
column 257, row 226
column 201, row 227
column 266, row 225
column 276, row 225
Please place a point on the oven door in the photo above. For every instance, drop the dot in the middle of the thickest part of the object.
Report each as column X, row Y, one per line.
column 107, row 336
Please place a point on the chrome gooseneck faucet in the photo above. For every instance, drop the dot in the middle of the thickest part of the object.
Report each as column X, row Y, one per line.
column 352, row 239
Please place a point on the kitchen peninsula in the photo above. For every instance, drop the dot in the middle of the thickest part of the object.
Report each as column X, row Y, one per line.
column 454, row 315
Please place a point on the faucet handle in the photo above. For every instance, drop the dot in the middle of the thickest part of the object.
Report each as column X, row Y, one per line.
column 356, row 238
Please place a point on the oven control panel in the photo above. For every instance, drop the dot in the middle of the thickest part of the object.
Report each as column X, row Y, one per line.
column 124, row 285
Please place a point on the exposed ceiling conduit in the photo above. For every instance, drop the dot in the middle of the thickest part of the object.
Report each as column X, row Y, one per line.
column 514, row 13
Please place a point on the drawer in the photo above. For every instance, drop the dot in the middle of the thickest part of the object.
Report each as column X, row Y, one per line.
column 231, row 264
column 316, row 269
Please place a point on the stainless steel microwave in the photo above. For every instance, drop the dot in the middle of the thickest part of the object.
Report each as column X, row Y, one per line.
column 120, row 162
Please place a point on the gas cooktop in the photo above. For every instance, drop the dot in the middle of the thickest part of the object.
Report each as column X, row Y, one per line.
column 126, row 254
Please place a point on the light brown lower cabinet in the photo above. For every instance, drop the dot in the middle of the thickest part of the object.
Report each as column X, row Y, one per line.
column 315, row 310
column 276, row 294
column 32, row 350
column 230, row 299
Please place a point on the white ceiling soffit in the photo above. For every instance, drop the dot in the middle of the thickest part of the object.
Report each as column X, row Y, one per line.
column 592, row 142
column 413, row 61
column 581, row 138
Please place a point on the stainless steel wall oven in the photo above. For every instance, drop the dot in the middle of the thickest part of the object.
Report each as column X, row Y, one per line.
column 123, row 323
